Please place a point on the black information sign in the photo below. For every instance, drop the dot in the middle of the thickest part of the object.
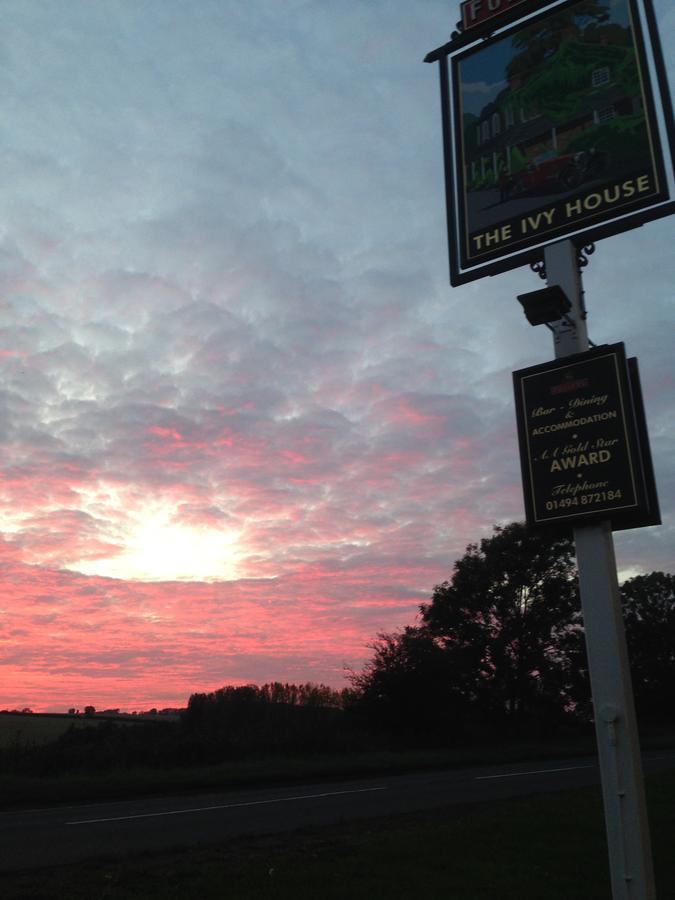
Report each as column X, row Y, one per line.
column 583, row 445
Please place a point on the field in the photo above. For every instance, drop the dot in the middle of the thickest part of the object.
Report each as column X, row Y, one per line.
column 41, row 728
column 27, row 728
column 548, row 846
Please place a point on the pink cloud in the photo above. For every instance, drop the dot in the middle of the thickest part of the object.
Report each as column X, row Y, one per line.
column 69, row 640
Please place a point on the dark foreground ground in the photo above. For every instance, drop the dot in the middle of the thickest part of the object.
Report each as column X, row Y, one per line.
column 546, row 846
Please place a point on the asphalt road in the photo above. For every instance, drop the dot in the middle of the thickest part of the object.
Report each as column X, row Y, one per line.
column 33, row 838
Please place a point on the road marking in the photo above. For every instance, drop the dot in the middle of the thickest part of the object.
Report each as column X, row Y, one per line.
column 535, row 772
column 178, row 812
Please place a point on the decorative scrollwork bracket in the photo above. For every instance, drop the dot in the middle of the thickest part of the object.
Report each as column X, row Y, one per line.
column 540, row 268
column 583, row 253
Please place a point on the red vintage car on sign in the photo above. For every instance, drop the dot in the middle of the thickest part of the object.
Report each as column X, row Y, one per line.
column 559, row 172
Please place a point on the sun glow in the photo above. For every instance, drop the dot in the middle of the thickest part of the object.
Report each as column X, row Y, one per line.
column 156, row 545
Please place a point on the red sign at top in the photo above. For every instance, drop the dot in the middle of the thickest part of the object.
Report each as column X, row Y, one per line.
column 475, row 12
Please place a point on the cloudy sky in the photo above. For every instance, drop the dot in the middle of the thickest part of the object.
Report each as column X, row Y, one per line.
column 246, row 424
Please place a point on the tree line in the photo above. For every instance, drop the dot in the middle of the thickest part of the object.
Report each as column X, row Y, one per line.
column 231, row 723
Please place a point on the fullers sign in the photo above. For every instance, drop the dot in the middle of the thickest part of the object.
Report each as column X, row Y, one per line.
column 583, row 453
column 475, row 12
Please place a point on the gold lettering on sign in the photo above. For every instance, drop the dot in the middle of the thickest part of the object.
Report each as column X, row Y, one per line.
column 607, row 196
column 574, row 423
column 582, row 459
column 537, row 221
column 492, row 238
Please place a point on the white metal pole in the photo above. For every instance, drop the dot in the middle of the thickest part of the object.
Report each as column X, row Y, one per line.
column 628, row 840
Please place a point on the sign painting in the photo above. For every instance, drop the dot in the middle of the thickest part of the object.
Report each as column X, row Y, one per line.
column 551, row 130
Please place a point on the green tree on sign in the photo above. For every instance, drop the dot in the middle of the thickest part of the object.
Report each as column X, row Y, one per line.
column 540, row 41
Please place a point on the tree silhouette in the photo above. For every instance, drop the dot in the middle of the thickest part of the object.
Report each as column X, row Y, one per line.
column 649, row 615
column 509, row 620
column 499, row 647
column 407, row 687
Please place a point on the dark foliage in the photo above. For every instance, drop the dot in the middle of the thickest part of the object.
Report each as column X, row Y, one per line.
column 510, row 623
column 649, row 614
column 228, row 724
column 408, row 689
column 270, row 720
column 498, row 650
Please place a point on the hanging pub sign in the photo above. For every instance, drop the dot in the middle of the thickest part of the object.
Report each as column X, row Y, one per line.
column 557, row 126
column 584, row 449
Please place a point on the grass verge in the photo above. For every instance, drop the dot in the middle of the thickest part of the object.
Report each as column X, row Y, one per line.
column 548, row 846
column 73, row 787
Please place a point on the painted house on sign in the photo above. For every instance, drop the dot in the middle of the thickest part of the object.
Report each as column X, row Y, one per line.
column 558, row 107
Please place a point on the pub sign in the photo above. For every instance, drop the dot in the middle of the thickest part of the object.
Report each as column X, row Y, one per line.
column 583, row 444
column 551, row 130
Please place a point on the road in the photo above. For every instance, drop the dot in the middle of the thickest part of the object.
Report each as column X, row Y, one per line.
column 41, row 837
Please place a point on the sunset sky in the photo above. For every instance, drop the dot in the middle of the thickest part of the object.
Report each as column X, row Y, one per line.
column 246, row 424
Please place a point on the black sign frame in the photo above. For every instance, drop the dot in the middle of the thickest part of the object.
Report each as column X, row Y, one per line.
column 652, row 515
column 597, row 223
column 564, row 496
